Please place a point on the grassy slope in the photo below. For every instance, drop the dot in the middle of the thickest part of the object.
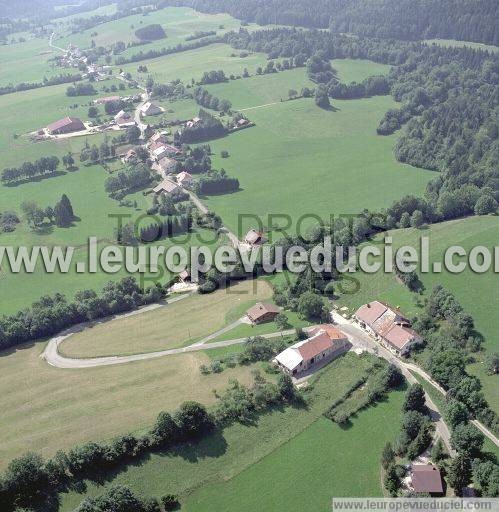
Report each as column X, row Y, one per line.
column 477, row 293
column 193, row 63
column 329, row 162
column 46, row 409
column 221, row 458
column 178, row 324
column 304, row 474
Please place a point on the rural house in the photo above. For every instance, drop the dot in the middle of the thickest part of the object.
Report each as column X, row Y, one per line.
column 158, row 137
column 66, row 125
column 159, row 152
column 426, row 478
column 324, row 344
column 253, row 237
column 261, row 313
column 124, row 119
column 184, row 179
column 193, row 122
column 167, row 165
column 388, row 325
column 129, row 156
column 150, row 109
column 166, row 186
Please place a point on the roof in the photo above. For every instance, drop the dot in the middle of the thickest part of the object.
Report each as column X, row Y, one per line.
column 399, row 336
column 260, row 309
column 253, row 236
column 159, row 137
column 369, row 313
column 185, row 274
column 149, row 105
column 307, row 349
column 57, row 125
column 166, row 186
column 315, row 345
column 333, row 332
column 184, row 175
column 426, row 478
column 290, row 358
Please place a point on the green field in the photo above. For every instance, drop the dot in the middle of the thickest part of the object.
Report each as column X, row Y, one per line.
column 330, row 162
column 469, row 44
column 178, row 324
column 476, row 292
column 192, row 64
column 46, row 409
column 178, row 23
column 245, row 455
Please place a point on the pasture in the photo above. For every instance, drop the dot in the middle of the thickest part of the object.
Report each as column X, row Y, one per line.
column 178, row 23
column 46, row 409
column 174, row 325
column 230, row 462
column 192, row 64
column 330, row 162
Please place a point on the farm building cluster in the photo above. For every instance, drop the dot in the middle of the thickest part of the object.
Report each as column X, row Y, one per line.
column 388, row 326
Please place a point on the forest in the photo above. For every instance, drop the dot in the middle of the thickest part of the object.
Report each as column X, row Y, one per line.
column 449, row 101
column 470, row 20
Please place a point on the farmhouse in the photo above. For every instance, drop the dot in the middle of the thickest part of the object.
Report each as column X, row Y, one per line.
column 158, row 138
column 184, row 179
column 426, row 478
column 124, row 119
column 167, row 165
column 193, row 122
column 66, row 125
column 166, row 186
column 158, row 152
column 150, row 109
column 325, row 344
column 129, row 156
column 253, row 237
column 261, row 313
column 388, row 325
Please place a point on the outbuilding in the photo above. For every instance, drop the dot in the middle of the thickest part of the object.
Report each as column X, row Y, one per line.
column 66, row 125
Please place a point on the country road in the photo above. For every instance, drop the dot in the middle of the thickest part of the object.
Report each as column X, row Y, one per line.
column 406, row 368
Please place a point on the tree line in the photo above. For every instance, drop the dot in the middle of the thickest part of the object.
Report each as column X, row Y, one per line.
column 54, row 80
column 209, row 127
column 30, row 481
column 29, row 170
column 208, row 100
column 52, row 314
column 121, row 183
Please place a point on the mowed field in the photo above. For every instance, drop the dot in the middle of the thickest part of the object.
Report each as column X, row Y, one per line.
column 192, row 64
column 269, row 462
column 174, row 325
column 324, row 161
column 177, row 22
column 45, row 409
column 477, row 293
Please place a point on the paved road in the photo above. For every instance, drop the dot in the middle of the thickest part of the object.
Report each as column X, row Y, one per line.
column 369, row 344
column 361, row 339
column 54, row 358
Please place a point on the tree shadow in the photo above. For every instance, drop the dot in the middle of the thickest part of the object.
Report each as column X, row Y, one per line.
column 36, row 179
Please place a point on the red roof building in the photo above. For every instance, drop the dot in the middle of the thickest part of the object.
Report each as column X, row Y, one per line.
column 261, row 312
column 325, row 344
column 389, row 325
column 66, row 125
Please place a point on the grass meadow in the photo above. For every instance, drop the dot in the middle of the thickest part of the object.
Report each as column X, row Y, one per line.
column 329, row 162
column 250, row 457
column 174, row 325
column 178, row 23
column 46, row 409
